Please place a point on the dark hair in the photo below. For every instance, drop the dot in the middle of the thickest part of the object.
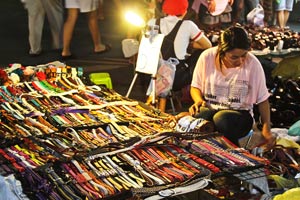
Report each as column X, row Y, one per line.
column 234, row 37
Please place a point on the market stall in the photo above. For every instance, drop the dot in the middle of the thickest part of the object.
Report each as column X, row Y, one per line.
column 62, row 139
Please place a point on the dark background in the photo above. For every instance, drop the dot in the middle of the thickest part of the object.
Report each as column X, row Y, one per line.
column 14, row 45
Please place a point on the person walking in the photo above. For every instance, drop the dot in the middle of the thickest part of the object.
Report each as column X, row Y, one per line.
column 212, row 14
column 240, row 10
column 37, row 9
column 89, row 7
column 283, row 9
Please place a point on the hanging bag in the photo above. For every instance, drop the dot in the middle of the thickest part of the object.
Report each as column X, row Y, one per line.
column 164, row 77
column 256, row 16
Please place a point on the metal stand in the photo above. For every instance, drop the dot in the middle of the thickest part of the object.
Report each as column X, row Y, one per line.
column 149, row 51
column 172, row 102
column 131, row 84
column 153, row 78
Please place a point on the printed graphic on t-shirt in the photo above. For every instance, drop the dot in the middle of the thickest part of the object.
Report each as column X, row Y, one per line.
column 231, row 95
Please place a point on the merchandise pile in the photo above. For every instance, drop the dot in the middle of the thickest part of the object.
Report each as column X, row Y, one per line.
column 266, row 39
column 63, row 139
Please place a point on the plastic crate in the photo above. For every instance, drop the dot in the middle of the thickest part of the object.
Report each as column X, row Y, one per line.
column 102, row 78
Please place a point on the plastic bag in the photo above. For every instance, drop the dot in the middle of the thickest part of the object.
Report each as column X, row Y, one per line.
column 256, row 16
column 294, row 130
column 288, row 68
column 130, row 47
column 164, row 77
column 291, row 194
column 196, row 125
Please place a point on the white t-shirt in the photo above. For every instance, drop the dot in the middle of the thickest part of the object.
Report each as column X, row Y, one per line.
column 233, row 88
column 187, row 31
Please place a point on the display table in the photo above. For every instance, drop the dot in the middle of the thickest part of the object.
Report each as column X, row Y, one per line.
column 63, row 139
column 273, row 54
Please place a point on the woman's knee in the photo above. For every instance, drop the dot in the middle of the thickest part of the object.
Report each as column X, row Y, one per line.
column 205, row 113
column 230, row 120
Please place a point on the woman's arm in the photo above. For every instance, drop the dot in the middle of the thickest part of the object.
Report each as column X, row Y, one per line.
column 264, row 111
column 202, row 43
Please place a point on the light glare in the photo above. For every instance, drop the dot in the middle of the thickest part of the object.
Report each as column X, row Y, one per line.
column 134, row 19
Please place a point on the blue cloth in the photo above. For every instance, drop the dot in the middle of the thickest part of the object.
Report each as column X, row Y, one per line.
column 294, row 130
column 11, row 188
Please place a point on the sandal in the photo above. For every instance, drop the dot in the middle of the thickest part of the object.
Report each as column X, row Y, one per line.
column 107, row 49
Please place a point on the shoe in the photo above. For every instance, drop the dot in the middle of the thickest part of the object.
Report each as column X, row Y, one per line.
column 107, row 49
column 56, row 50
column 68, row 57
column 101, row 17
column 35, row 54
column 293, row 89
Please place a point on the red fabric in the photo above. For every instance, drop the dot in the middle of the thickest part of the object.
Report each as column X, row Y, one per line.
column 41, row 76
column 3, row 75
column 175, row 7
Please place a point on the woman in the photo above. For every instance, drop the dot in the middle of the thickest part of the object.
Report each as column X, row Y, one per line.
column 211, row 14
column 75, row 7
column 227, row 81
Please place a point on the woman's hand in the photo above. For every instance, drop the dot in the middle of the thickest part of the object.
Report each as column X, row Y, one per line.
column 211, row 6
column 230, row 2
column 195, row 108
column 270, row 140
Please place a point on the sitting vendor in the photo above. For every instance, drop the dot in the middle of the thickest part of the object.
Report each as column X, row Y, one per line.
column 227, row 81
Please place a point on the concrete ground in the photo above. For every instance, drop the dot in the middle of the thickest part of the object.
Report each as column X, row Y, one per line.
column 14, row 45
column 14, row 48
